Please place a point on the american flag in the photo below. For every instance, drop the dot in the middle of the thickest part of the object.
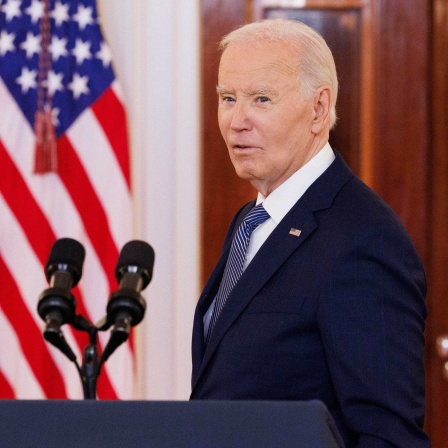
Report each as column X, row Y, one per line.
column 87, row 196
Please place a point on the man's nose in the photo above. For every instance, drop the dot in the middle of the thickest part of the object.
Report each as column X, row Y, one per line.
column 240, row 117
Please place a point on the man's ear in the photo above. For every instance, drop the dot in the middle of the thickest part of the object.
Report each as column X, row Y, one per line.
column 321, row 109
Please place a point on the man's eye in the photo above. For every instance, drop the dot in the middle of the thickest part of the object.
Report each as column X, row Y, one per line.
column 227, row 99
column 263, row 99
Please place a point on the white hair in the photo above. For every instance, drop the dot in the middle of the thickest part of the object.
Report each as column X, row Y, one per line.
column 316, row 63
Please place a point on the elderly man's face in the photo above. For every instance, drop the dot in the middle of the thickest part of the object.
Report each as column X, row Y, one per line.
column 267, row 126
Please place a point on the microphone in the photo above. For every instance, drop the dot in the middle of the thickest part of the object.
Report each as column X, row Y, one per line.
column 126, row 306
column 57, row 304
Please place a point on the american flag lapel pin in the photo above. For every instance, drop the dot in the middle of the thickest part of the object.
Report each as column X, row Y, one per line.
column 295, row 232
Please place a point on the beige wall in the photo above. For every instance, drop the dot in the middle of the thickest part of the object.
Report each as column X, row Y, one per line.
column 156, row 57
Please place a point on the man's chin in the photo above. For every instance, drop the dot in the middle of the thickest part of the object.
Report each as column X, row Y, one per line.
column 245, row 169
column 245, row 174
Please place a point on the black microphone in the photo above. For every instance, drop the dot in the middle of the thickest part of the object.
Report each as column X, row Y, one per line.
column 126, row 306
column 57, row 304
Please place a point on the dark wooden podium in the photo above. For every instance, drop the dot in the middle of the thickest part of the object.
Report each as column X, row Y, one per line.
column 167, row 424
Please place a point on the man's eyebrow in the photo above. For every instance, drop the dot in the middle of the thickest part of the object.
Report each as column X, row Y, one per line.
column 263, row 91
column 221, row 90
column 260, row 92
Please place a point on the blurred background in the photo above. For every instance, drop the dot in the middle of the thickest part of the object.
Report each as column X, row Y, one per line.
column 391, row 57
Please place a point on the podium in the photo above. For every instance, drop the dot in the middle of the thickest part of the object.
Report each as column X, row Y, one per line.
column 166, row 424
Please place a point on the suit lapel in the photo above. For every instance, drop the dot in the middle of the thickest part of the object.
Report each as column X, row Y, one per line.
column 211, row 289
column 277, row 248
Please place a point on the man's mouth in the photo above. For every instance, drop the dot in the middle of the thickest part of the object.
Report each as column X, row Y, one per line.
column 244, row 146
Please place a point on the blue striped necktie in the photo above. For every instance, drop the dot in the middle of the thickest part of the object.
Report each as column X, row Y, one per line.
column 234, row 267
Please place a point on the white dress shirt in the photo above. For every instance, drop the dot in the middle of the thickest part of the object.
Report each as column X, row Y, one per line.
column 283, row 198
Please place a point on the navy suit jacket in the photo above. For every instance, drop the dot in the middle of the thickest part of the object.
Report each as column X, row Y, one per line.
column 335, row 314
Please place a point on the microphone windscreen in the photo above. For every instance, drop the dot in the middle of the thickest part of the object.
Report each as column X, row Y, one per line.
column 66, row 251
column 136, row 253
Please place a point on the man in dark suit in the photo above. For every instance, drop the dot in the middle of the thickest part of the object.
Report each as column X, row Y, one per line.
column 322, row 296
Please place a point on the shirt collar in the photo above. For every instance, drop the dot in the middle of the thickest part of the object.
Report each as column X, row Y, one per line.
column 282, row 199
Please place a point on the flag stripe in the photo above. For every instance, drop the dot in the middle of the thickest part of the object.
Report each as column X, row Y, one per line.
column 6, row 391
column 30, row 338
column 103, row 171
column 14, row 366
column 29, row 287
column 114, row 126
column 26, row 210
column 90, row 208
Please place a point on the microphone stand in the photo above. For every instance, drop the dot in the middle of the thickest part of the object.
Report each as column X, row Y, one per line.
column 90, row 369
